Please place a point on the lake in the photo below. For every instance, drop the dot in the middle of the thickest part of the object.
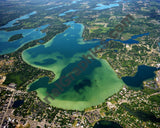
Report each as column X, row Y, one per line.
column 62, row 54
column 144, row 72
column 101, row 6
column 17, row 103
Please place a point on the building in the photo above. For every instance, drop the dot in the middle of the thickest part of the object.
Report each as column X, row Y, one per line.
column 2, row 79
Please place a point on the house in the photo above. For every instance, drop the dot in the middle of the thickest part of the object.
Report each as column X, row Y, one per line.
column 2, row 79
column 12, row 85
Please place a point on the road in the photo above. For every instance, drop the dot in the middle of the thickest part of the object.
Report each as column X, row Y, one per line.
column 7, row 109
column 14, row 91
column 155, row 94
column 9, row 88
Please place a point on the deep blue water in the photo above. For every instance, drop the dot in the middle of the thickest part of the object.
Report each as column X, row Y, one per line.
column 144, row 72
column 12, row 23
column 130, row 41
column 141, row 115
column 107, row 124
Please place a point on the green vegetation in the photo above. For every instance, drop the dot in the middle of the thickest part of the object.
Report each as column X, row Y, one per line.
column 142, row 115
column 4, row 95
column 15, row 37
column 155, row 99
column 24, row 74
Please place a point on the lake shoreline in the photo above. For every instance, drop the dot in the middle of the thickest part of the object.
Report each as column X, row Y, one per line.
column 78, row 103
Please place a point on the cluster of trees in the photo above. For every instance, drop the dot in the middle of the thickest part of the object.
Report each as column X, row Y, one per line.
column 15, row 37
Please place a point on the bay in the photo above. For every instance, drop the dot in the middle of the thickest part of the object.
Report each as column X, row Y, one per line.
column 95, row 82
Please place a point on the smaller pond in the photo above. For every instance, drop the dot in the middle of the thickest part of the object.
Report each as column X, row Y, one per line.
column 142, row 115
column 17, row 103
column 144, row 72
column 107, row 124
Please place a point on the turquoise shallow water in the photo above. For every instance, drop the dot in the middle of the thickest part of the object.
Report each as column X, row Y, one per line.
column 102, row 6
column 79, row 83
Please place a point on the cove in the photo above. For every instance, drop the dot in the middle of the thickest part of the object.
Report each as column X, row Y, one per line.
column 132, row 40
column 12, row 46
column 11, row 23
column 61, row 55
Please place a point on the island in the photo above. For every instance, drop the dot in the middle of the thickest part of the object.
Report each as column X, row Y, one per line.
column 15, row 37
